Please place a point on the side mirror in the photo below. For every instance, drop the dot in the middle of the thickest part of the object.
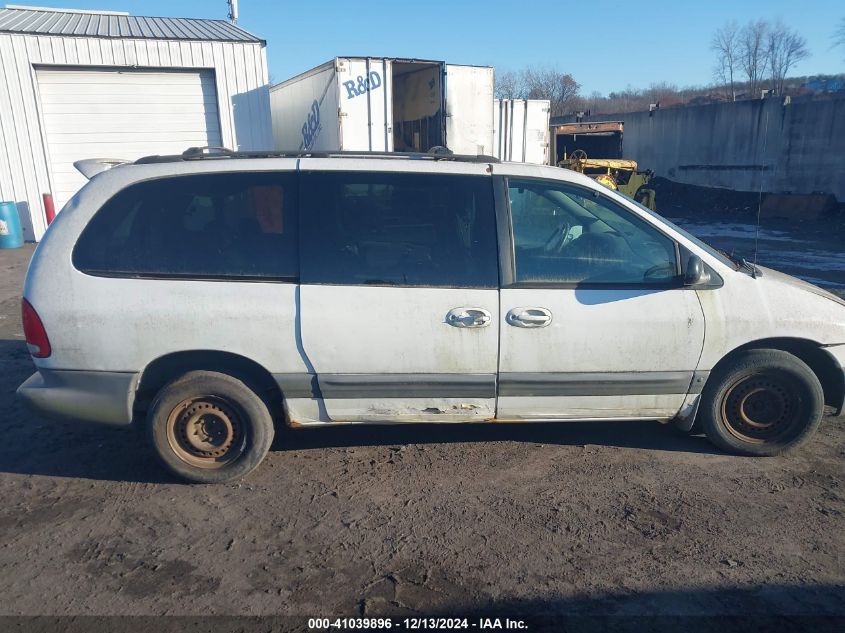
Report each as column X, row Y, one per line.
column 695, row 273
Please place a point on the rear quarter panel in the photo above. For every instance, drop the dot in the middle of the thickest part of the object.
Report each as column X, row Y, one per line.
column 119, row 324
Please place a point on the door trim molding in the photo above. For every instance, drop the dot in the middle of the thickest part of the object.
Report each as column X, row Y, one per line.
column 528, row 384
column 346, row 386
column 297, row 385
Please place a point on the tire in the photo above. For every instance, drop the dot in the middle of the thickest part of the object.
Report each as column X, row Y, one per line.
column 208, row 427
column 762, row 403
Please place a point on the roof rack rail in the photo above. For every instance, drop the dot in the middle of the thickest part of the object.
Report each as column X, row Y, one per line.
column 217, row 153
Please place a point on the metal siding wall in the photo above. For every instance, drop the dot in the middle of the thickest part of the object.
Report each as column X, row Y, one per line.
column 223, row 70
column 242, row 94
column 262, row 79
column 801, row 146
column 24, row 163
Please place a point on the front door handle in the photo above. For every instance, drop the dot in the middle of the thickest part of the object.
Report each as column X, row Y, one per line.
column 469, row 317
column 529, row 317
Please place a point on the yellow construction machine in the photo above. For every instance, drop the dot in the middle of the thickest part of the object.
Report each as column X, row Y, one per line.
column 602, row 138
column 618, row 174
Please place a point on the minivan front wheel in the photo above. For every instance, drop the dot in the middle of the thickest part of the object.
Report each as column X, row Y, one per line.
column 209, row 427
column 763, row 403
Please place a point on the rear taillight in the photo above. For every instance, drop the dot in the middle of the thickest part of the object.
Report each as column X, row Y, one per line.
column 33, row 329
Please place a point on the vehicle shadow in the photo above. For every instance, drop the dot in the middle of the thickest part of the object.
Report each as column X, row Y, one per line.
column 38, row 446
column 628, row 434
column 767, row 607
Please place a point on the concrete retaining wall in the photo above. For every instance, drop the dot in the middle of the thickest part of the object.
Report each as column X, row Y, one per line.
column 794, row 148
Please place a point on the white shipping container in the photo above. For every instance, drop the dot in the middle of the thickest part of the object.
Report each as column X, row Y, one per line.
column 521, row 130
column 385, row 104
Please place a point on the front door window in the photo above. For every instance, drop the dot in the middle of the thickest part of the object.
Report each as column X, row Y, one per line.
column 566, row 235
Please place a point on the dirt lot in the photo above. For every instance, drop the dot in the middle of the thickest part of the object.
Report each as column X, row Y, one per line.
column 621, row 519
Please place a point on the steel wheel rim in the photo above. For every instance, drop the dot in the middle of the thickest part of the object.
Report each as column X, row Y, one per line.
column 207, row 431
column 762, row 408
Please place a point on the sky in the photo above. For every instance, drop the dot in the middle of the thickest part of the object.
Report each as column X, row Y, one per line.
column 605, row 46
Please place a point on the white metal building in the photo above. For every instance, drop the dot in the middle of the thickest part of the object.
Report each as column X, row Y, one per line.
column 80, row 84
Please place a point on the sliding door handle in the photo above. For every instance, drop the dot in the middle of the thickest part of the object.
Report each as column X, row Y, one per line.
column 469, row 317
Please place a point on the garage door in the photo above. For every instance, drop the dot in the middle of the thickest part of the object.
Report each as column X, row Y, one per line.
column 123, row 114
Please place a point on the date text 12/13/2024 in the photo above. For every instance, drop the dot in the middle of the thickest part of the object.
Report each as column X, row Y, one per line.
column 416, row 624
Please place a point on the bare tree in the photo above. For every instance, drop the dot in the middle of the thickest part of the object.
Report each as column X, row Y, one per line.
column 628, row 100
column 664, row 93
column 548, row 83
column 839, row 36
column 594, row 102
column 726, row 44
column 540, row 83
column 752, row 54
column 509, row 85
column 784, row 49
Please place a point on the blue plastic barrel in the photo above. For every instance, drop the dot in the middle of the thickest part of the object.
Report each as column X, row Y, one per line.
column 11, row 235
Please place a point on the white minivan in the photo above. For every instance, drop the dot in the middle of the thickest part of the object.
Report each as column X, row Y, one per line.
column 213, row 295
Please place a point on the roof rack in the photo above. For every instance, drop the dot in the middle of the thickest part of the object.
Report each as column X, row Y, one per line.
column 218, row 153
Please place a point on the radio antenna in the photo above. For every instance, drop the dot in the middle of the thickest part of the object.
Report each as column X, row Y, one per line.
column 760, row 195
column 233, row 11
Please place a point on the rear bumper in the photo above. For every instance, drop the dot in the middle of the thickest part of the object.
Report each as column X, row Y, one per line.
column 92, row 396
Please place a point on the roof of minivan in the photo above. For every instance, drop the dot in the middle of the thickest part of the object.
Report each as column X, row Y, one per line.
column 216, row 153
column 123, row 175
column 216, row 160
column 193, row 162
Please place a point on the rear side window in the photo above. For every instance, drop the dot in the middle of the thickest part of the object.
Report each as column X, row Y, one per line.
column 233, row 225
column 398, row 229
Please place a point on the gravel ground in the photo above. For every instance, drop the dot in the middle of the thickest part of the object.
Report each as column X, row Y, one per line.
column 611, row 519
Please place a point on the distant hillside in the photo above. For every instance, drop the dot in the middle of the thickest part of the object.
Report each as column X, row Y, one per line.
column 669, row 95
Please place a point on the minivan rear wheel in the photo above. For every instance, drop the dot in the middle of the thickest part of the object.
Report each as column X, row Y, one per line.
column 209, row 427
column 763, row 403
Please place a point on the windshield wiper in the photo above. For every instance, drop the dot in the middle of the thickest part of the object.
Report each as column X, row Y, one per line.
column 741, row 262
column 755, row 271
column 736, row 261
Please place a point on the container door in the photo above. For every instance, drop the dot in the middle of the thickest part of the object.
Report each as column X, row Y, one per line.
column 536, row 132
column 469, row 109
column 595, row 323
column 399, row 301
column 509, row 119
column 522, row 130
column 498, row 131
column 366, row 107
